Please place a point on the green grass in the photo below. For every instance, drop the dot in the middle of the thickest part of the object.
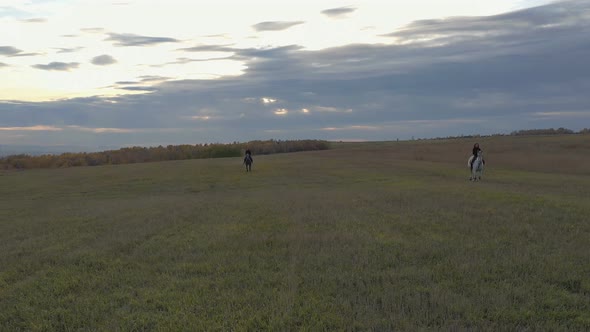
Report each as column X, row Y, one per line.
column 387, row 236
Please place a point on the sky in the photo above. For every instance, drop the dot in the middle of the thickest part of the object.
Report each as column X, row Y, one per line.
column 154, row 72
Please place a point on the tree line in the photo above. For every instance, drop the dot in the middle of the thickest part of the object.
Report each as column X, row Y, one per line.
column 550, row 131
column 139, row 154
column 525, row 132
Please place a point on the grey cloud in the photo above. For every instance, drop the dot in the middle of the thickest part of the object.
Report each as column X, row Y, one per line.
column 69, row 50
column 145, row 83
column 275, row 25
column 144, row 79
column 219, row 35
column 336, row 12
column 35, row 20
column 245, row 53
column 189, row 60
column 210, row 48
column 152, row 78
column 139, row 88
column 2, row 64
column 468, row 82
column 14, row 52
column 9, row 50
column 58, row 66
column 103, row 60
column 92, row 30
column 127, row 39
column 550, row 18
column 26, row 54
column 126, row 83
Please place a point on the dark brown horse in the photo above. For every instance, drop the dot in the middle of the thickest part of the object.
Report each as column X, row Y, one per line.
column 248, row 162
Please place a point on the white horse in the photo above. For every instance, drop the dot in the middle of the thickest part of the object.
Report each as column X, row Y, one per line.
column 477, row 168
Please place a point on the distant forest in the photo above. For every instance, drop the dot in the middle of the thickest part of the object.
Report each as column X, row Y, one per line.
column 528, row 132
column 199, row 151
column 148, row 154
column 550, row 131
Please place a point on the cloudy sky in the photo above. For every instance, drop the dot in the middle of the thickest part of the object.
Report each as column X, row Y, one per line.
column 151, row 72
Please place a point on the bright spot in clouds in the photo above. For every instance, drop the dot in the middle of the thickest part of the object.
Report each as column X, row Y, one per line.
column 266, row 100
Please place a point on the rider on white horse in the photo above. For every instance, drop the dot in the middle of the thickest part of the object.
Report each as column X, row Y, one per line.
column 476, row 149
column 476, row 163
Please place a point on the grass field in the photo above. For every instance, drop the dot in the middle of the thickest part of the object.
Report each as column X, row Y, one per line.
column 366, row 236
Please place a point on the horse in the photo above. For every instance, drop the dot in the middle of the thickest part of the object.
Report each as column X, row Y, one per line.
column 477, row 168
column 248, row 162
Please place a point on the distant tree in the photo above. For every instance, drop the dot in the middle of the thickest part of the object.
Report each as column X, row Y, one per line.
column 137, row 154
column 550, row 131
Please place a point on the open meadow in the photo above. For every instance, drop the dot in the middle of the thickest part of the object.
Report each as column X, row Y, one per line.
column 366, row 236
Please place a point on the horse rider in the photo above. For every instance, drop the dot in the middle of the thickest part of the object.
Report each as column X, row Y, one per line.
column 248, row 156
column 475, row 150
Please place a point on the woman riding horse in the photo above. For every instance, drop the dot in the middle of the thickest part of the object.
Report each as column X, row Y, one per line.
column 248, row 160
column 475, row 150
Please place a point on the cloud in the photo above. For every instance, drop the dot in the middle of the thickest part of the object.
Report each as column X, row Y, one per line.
column 275, row 25
column 153, row 78
column 331, row 109
column 354, row 127
column 35, row 20
column 245, row 53
column 31, row 128
column 189, row 60
column 145, row 79
column 2, row 64
column 26, row 54
column 128, row 39
column 105, row 130
column 9, row 50
column 126, row 82
column 14, row 52
column 69, row 50
column 139, row 88
column 103, row 60
column 563, row 114
column 338, row 12
column 210, row 48
column 476, row 75
column 59, row 66
column 92, row 30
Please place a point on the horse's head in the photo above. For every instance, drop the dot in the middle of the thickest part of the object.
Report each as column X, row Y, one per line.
column 480, row 154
